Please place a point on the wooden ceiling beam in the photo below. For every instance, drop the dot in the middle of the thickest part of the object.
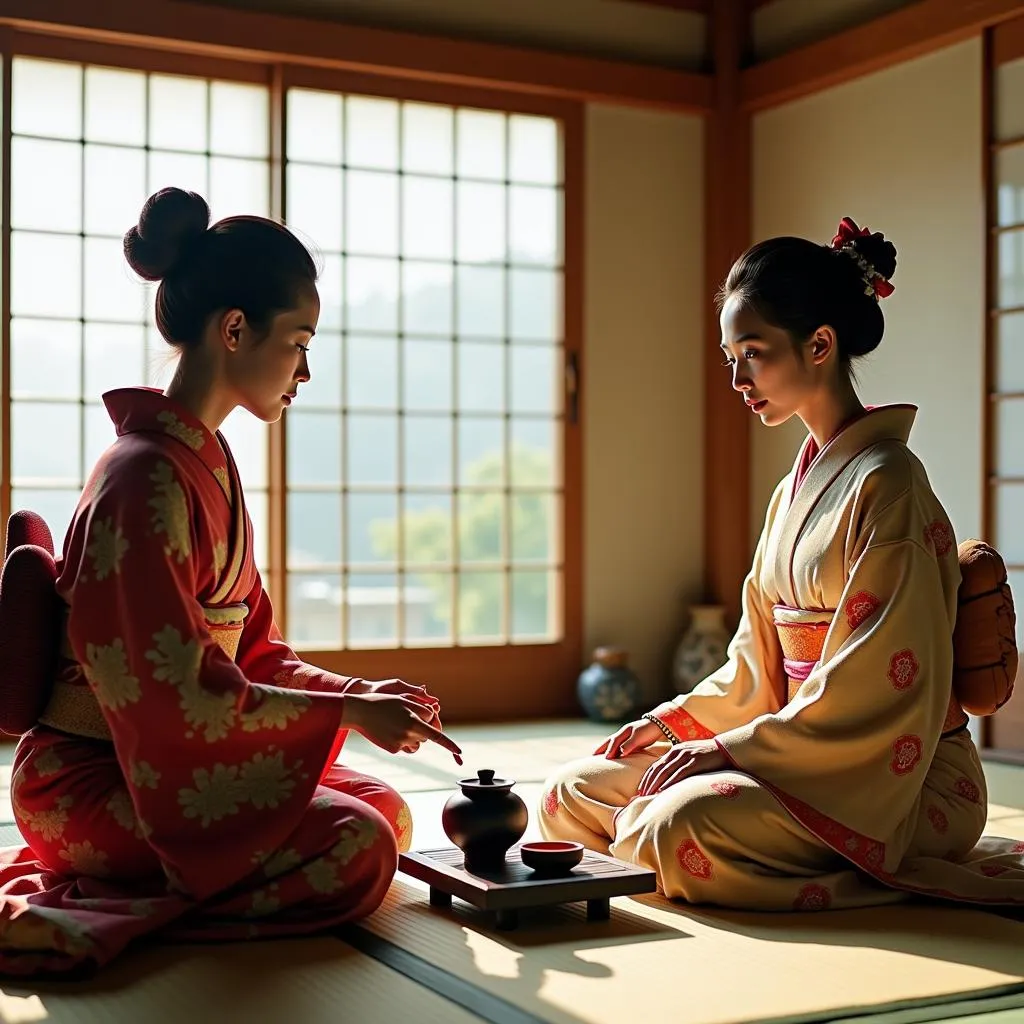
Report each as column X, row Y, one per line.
column 909, row 32
column 696, row 6
column 213, row 31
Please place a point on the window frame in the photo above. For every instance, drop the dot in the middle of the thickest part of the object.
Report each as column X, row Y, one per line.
column 511, row 680
column 1002, row 735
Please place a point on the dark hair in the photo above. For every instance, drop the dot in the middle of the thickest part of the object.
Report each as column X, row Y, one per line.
column 799, row 285
column 247, row 263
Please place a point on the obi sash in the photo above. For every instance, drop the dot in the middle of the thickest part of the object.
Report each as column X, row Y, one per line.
column 73, row 708
column 802, row 639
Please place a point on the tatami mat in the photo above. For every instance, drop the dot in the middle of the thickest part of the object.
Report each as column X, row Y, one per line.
column 657, row 961
column 301, row 981
column 653, row 961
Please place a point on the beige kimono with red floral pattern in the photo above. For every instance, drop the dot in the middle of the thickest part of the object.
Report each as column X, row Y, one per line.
column 854, row 779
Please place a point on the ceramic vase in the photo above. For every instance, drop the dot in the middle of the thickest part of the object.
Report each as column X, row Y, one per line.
column 702, row 648
column 607, row 690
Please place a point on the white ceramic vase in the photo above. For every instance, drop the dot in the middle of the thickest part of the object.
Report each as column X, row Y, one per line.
column 702, row 648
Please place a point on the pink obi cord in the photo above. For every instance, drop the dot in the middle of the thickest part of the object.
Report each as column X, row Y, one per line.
column 798, row 670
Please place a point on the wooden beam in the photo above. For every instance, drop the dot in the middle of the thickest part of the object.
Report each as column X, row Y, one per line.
column 1008, row 42
column 273, row 38
column 696, row 6
column 727, row 205
column 910, row 32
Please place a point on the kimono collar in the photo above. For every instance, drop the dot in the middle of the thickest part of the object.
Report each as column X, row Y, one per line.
column 150, row 411
column 875, row 423
column 882, row 423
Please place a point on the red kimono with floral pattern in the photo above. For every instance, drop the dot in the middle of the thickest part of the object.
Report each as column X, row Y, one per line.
column 182, row 777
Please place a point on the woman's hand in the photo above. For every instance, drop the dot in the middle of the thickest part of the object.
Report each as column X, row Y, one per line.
column 630, row 738
column 401, row 688
column 396, row 722
column 697, row 757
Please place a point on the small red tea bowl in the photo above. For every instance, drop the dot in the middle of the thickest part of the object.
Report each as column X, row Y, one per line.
column 551, row 858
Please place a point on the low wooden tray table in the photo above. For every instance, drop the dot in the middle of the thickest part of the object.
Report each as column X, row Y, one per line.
column 595, row 879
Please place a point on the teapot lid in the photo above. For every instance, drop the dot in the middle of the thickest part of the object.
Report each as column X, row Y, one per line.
column 485, row 782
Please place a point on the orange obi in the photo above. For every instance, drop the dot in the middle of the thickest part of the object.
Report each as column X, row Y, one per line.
column 73, row 708
column 802, row 639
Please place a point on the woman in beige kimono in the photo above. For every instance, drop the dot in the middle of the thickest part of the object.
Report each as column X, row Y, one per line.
column 828, row 762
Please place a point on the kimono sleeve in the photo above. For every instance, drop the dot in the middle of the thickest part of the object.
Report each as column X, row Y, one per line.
column 204, row 752
column 849, row 754
column 749, row 683
column 264, row 656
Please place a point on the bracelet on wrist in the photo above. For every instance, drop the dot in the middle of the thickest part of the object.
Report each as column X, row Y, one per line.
column 662, row 726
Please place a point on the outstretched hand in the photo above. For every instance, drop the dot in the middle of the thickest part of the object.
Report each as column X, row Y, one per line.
column 697, row 757
column 400, row 688
column 396, row 721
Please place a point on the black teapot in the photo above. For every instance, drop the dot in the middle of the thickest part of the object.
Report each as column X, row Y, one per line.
column 484, row 820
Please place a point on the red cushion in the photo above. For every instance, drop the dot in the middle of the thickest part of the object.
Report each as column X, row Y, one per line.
column 30, row 625
column 25, row 527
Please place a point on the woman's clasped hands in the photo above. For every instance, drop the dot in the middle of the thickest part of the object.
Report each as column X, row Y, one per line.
column 693, row 757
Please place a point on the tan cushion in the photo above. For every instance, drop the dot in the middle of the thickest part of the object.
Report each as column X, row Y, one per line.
column 984, row 639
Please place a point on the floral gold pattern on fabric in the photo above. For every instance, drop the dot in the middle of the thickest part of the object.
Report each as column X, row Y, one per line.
column 906, row 754
column 84, row 859
column 99, row 478
column 192, row 436
column 280, row 862
column 170, row 512
column 48, row 823
column 106, row 668
column 263, row 781
column 217, row 794
column 861, row 607
column 264, row 902
column 220, row 558
column 47, row 763
column 143, row 775
column 275, row 709
column 693, row 860
column 322, row 874
column 222, row 478
column 177, row 661
column 403, row 828
column 123, row 812
column 903, row 669
column 107, row 548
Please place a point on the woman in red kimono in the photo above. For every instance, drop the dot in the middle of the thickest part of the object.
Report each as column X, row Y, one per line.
column 182, row 775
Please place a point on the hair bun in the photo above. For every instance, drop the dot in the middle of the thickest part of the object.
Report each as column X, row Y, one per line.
column 170, row 220
column 879, row 252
